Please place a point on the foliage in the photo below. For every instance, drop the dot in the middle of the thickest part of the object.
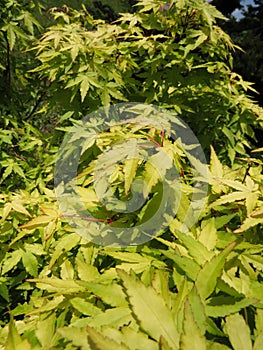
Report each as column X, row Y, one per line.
column 200, row 285
column 176, row 57
column 227, row 7
column 195, row 284
column 18, row 27
column 247, row 33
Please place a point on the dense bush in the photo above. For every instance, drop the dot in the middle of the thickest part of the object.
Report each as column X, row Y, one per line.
column 198, row 282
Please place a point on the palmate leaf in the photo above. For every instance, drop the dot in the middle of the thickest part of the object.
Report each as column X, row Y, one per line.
column 238, row 332
column 207, row 278
column 150, row 310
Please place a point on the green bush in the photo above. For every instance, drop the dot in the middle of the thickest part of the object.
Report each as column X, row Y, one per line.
column 176, row 57
column 198, row 282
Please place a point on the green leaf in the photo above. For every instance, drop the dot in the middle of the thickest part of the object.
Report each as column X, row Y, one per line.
column 39, row 221
column 77, row 336
column 18, row 206
column 86, row 272
column 84, row 87
column 51, row 305
column 30, row 263
column 216, row 167
column 224, row 309
column 105, row 98
column 11, row 35
column 14, row 341
column 154, row 316
column 160, row 284
column 111, row 294
column 208, row 236
column 207, row 278
column 98, row 341
column 187, row 265
column 65, row 244
column 220, row 221
column 12, row 260
column 116, row 318
column 131, row 337
column 67, row 270
column 195, row 248
column 229, row 198
column 238, row 332
column 45, row 330
column 57, row 285
column 216, row 346
column 259, row 321
column 155, row 169
column 85, row 307
column 249, row 223
column 4, row 292
column 130, row 167
column 191, row 338
column 198, row 310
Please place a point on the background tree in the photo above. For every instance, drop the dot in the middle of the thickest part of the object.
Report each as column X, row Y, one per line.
column 18, row 27
column 247, row 33
column 227, row 7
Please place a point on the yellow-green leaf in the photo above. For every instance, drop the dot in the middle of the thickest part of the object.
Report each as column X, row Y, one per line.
column 99, row 342
column 39, row 221
column 151, row 311
column 207, row 278
column 191, row 338
column 238, row 332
